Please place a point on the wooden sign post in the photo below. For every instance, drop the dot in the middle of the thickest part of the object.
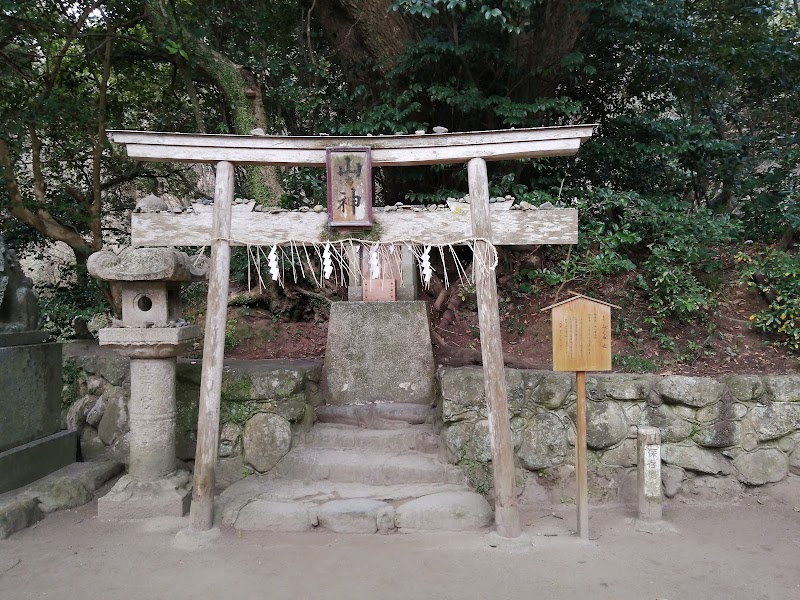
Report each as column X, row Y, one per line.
column 581, row 342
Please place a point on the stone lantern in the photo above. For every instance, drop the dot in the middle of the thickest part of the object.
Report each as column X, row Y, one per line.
column 152, row 333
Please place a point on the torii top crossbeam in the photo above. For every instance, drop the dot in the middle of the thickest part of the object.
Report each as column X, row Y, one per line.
column 531, row 227
column 390, row 150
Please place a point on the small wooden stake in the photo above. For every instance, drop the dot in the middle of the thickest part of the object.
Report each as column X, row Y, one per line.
column 506, row 513
column 580, row 462
column 201, row 515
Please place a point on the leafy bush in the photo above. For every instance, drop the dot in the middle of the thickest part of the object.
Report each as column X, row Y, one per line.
column 673, row 249
column 777, row 276
column 60, row 304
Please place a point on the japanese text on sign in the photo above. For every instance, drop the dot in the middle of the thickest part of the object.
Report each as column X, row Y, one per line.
column 349, row 187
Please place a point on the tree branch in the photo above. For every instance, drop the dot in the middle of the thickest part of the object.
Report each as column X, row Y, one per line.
column 39, row 186
column 41, row 220
column 50, row 79
column 96, row 207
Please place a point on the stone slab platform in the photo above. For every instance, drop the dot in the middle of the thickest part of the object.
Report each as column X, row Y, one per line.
column 67, row 487
column 350, row 479
column 24, row 464
column 386, row 415
column 267, row 503
column 379, row 352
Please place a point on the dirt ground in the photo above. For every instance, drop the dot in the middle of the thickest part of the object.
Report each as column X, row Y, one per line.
column 746, row 550
column 723, row 344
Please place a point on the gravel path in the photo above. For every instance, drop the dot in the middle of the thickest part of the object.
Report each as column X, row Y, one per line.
column 746, row 551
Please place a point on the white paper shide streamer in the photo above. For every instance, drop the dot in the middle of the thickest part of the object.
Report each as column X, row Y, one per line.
column 339, row 261
column 374, row 263
column 425, row 266
column 272, row 263
column 327, row 263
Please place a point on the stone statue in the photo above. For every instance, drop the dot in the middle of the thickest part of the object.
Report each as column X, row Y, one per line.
column 19, row 309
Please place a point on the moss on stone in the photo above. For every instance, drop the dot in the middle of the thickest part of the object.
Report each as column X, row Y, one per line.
column 237, row 388
column 479, row 474
column 241, row 412
column 70, row 390
column 336, row 234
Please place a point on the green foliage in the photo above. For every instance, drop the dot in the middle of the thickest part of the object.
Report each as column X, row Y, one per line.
column 304, row 186
column 507, row 14
column 779, row 279
column 70, row 389
column 232, row 334
column 60, row 304
column 239, row 263
column 633, row 363
column 661, row 233
column 692, row 109
column 696, row 148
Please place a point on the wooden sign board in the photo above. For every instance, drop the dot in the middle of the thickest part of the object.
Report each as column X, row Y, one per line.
column 380, row 290
column 581, row 334
column 349, row 176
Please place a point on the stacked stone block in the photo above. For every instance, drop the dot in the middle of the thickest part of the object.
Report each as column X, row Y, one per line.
column 717, row 435
column 745, row 428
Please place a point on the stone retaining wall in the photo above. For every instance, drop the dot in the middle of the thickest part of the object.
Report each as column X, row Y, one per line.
column 264, row 403
column 718, row 434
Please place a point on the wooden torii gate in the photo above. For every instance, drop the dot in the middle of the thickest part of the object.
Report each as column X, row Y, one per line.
column 433, row 228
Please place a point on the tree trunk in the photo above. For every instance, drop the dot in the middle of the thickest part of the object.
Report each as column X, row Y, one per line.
column 363, row 33
column 238, row 86
column 41, row 220
column 540, row 49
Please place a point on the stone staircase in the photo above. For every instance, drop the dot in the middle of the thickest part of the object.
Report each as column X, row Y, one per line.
column 353, row 479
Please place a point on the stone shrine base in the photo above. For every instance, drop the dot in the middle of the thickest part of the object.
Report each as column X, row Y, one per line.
column 134, row 499
column 379, row 352
column 29, row 462
column 31, row 443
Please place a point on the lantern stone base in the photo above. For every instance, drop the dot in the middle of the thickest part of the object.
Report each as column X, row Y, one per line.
column 137, row 499
column 151, row 342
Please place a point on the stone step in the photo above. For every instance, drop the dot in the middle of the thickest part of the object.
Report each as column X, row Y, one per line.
column 269, row 487
column 384, row 415
column 266, row 503
column 366, row 466
column 419, row 438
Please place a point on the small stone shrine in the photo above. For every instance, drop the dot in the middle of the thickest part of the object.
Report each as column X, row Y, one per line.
column 152, row 333
column 287, row 234
column 32, row 444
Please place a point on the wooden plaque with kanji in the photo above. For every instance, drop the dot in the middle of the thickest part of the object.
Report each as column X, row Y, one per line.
column 581, row 335
column 349, row 176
